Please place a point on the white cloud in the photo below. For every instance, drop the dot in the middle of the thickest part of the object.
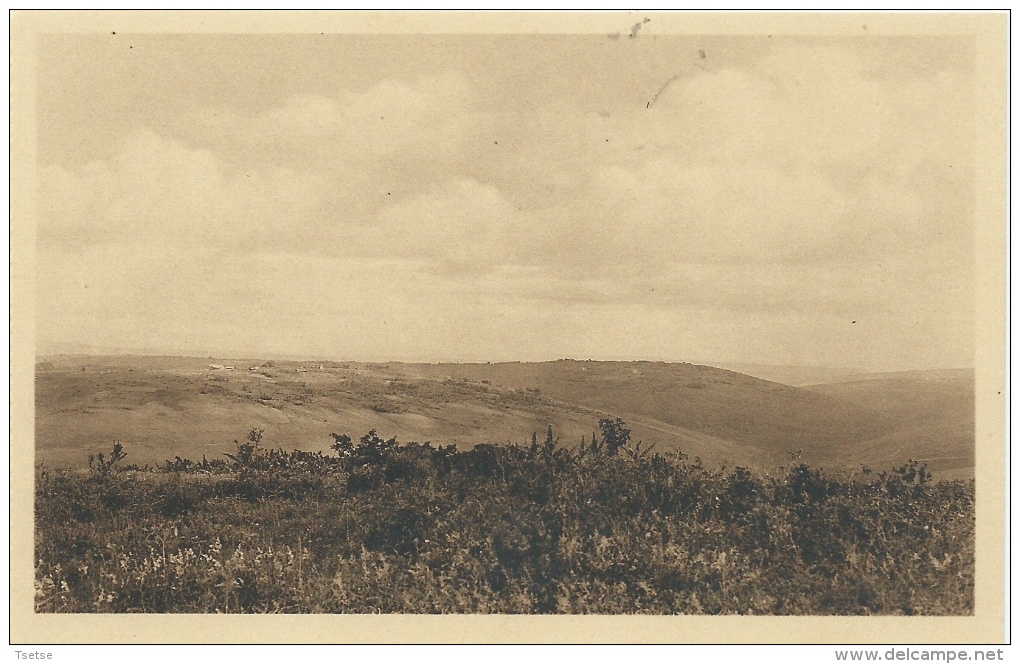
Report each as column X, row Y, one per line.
column 799, row 185
column 668, row 212
column 157, row 191
column 807, row 106
column 427, row 119
column 464, row 224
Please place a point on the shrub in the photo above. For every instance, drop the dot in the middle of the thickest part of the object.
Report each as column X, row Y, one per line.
column 605, row 528
column 101, row 466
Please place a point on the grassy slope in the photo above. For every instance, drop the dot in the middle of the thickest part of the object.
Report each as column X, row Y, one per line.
column 791, row 374
column 163, row 407
column 935, row 407
column 751, row 414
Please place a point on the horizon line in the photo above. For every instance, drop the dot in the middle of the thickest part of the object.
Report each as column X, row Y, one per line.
column 283, row 357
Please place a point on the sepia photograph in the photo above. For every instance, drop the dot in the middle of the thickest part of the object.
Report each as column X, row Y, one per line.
column 610, row 315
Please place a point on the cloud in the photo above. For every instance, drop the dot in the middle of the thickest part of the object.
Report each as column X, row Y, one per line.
column 801, row 184
column 660, row 214
column 804, row 105
column 159, row 192
column 668, row 212
column 428, row 119
column 462, row 225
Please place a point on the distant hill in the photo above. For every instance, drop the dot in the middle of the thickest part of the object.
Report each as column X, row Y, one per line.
column 792, row 374
column 934, row 410
column 161, row 407
column 774, row 419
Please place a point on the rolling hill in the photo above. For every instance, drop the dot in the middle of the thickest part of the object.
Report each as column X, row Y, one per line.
column 161, row 407
column 935, row 410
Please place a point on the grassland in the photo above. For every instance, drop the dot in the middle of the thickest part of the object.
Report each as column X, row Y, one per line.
column 849, row 497
column 165, row 407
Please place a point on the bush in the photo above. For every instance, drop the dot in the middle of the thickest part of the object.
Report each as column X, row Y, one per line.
column 382, row 526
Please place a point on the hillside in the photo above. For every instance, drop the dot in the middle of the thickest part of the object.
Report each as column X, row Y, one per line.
column 161, row 407
column 936, row 409
column 791, row 374
column 770, row 418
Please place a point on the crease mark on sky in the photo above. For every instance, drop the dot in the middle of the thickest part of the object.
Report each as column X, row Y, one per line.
column 672, row 80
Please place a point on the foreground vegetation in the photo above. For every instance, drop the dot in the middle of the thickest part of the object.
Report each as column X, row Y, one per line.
column 603, row 528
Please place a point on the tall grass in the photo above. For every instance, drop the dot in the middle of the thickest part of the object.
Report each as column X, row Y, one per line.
column 380, row 526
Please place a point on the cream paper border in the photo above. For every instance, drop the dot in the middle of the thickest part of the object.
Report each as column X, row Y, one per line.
column 986, row 626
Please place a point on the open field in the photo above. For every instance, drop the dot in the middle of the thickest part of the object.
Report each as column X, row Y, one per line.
column 162, row 407
column 754, row 500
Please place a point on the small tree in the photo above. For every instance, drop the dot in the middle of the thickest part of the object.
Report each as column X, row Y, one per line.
column 101, row 466
column 614, row 435
column 247, row 452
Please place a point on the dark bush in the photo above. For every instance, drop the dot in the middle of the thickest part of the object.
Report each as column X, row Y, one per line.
column 606, row 528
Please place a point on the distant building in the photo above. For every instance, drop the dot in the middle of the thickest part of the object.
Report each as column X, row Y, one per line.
column 215, row 367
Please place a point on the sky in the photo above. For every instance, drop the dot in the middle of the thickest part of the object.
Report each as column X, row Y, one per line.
column 774, row 200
